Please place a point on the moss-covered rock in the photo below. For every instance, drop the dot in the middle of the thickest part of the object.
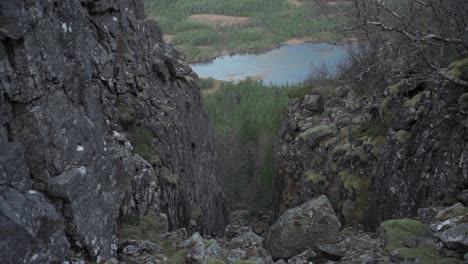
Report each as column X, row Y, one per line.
column 413, row 102
column 403, row 136
column 370, row 129
column 463, row 102
column 195, row 212
column 459, row 69
column 169, row 177
column 452, row 212
column 397, row 232
column 450, row 261
column 425, row 254
column 316, row 134
column 353, row 181
column 314, row 177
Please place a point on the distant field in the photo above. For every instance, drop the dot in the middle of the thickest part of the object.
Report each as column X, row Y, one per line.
column 202, row 29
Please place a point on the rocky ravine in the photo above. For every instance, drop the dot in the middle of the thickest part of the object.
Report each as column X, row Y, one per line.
column 100, row 122
column 311, row 233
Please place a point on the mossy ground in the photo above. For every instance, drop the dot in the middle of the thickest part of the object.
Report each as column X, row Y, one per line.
column 215, row 261
column 178, row 257
column 149, row 227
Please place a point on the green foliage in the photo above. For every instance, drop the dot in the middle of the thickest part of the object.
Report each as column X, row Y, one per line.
column 126, row 113
column 273, row 21
column 206, row 83
column 324, row 87
column 247, row 116
column 142, row 141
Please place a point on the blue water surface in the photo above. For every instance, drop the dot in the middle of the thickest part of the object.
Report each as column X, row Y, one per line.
column 288, row 64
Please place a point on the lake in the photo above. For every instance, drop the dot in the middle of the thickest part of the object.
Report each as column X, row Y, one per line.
column 287, row 64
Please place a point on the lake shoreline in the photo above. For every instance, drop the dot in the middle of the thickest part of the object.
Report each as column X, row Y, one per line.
column 288, row 64
column 293, row 41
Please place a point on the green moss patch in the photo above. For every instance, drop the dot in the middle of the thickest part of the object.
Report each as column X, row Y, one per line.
column 397, row 232
column 148, row 227
column 142, row 141
column 450, row 261
column 126, row 113
column 170, row 177
column 312, row 176
column 195, row 213
column 179, row 257
column 425, row 254
column 372, row 129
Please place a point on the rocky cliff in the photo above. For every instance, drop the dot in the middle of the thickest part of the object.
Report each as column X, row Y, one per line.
column 100, row 121
column 378, row 153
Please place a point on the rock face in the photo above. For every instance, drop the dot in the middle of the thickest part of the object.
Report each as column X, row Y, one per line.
column 99, row 120
column 304, row 227
column 377, row 154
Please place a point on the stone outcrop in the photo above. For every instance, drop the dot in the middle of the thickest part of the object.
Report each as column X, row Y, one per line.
column 377, row 154
column 304, row 227
column 100, row 121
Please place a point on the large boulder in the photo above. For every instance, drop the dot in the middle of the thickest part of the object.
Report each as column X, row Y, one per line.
column 304, row 227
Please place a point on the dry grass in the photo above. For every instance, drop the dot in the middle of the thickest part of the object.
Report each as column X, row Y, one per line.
column 296, row 2
column 220, row 20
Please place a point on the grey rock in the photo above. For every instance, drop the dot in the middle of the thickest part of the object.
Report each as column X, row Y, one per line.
column 302, row 228
column 213, row 250
column 192, row 240
column 137, row 248
column 246, row 240
column 13, row 168
column 196, row 254
column 314, row 103
column 305, row 257
column 314, row 135
column 236, row 255
column 31, row 229
column 332, row 249
column 455, row 237
column 427, row 215
column 281, row 261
